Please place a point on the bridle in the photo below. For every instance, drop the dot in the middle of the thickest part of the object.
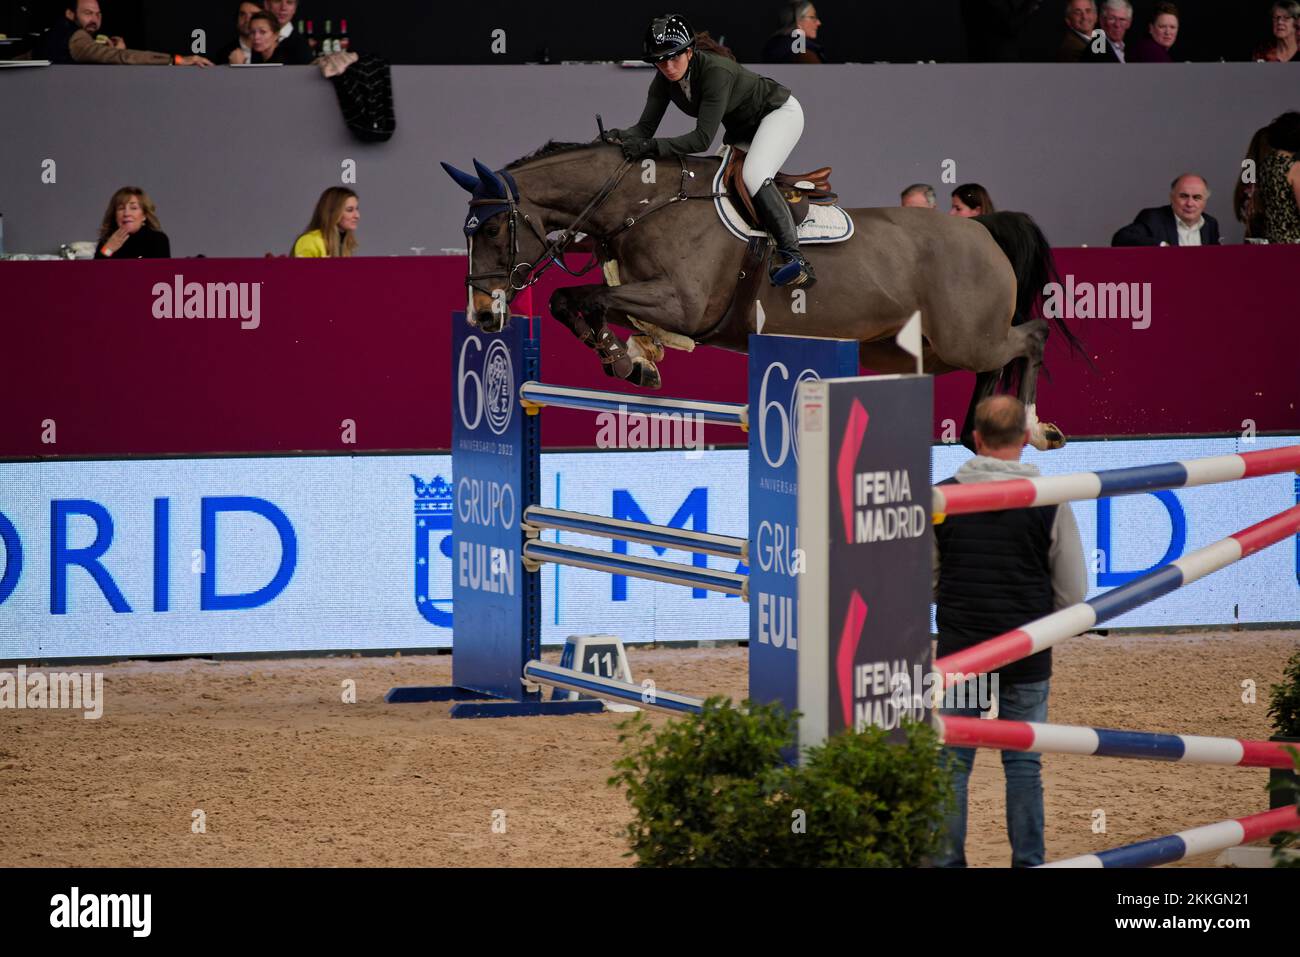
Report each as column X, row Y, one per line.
column 554, row 250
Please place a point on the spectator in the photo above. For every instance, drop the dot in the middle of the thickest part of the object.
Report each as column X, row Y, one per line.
column 264, row 40
column 1080, row 21
column 1281, row 46
column 1116, row 18
column 795, row 41
column 1162, row 32
column 296, row 51
column 332, row 231
column 993, row 572
column 72, row 40
column 246, row 10
column 1279, row 182
column 130, row 229
column 919, row 194
column 1247, row 201
column 1183, row 222
column 971, row 199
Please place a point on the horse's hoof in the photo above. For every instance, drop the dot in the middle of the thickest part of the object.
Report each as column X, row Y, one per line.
column 1055, row 437
column 645, row 375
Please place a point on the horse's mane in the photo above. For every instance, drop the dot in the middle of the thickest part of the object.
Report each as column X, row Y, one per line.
column 550, row 148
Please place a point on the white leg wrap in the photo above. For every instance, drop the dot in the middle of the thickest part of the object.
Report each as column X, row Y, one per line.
column 1037, row 438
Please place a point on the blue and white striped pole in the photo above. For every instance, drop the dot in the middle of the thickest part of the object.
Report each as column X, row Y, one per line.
column 611, row 689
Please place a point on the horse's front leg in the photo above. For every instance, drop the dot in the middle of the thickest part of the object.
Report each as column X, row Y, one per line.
column 576, row 307
column 584, row 310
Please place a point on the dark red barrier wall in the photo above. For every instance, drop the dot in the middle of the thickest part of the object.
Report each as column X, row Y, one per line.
column 367, row 340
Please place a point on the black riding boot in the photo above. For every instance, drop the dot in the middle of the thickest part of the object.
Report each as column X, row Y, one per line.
column 788, row 266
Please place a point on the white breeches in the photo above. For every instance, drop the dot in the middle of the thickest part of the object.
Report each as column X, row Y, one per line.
column 774, row 140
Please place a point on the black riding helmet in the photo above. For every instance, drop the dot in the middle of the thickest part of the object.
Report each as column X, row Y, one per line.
column 666, row 37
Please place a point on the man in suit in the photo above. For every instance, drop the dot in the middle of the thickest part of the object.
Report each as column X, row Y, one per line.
column 1184, row 222
column 1116, row 18
column 1080, row 21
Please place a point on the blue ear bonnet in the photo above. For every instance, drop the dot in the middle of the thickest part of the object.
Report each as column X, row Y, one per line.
column 487, row 185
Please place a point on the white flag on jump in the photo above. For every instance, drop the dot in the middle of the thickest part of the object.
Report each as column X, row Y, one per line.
column 909, row 339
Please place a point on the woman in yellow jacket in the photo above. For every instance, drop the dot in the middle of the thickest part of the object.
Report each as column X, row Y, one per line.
column 332, row 231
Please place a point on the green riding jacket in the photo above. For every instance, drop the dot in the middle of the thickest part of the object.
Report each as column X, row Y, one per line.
column 722, row 91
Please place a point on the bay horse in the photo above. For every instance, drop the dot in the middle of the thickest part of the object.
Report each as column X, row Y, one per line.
column 976, row 283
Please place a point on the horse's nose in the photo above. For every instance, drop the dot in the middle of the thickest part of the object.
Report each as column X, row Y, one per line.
column 493, row 301
column 488, row 321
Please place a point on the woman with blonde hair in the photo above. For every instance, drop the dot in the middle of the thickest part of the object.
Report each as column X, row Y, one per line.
column 332, row 231
column 130, row 229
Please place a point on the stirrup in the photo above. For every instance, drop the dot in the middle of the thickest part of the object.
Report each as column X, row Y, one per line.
column 796, row 270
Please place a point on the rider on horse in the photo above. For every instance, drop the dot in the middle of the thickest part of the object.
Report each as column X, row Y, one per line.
column 758, row 114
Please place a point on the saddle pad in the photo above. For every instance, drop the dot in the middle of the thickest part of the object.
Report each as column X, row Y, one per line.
column 825, row 224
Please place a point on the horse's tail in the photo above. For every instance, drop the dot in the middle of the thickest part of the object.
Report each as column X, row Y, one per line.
column 1031, row 258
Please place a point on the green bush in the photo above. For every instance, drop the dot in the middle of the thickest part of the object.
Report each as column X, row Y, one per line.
column 1284, row 706
column 712, row 790
column 1284, row 709
column 1286, row 844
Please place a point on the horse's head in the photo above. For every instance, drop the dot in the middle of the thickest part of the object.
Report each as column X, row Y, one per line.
column 505, row 243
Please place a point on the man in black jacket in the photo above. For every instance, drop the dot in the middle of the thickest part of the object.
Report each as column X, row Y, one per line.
column 995, row 572
column 1184, row 222
column 296, row 50
column 242, row 20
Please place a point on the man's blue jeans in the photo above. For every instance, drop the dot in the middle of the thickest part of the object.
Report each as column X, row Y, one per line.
column 1023, row 769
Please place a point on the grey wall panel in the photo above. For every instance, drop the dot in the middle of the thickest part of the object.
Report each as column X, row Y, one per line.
column 236, row 158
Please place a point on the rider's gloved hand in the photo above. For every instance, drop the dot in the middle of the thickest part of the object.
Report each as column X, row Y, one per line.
column 612, row 137
column 636, row 148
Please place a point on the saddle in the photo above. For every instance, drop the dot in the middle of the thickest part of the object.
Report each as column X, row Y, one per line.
column 798, row 189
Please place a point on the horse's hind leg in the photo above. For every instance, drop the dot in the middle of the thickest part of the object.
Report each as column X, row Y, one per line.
column 985, row 385
column 1042, row 435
